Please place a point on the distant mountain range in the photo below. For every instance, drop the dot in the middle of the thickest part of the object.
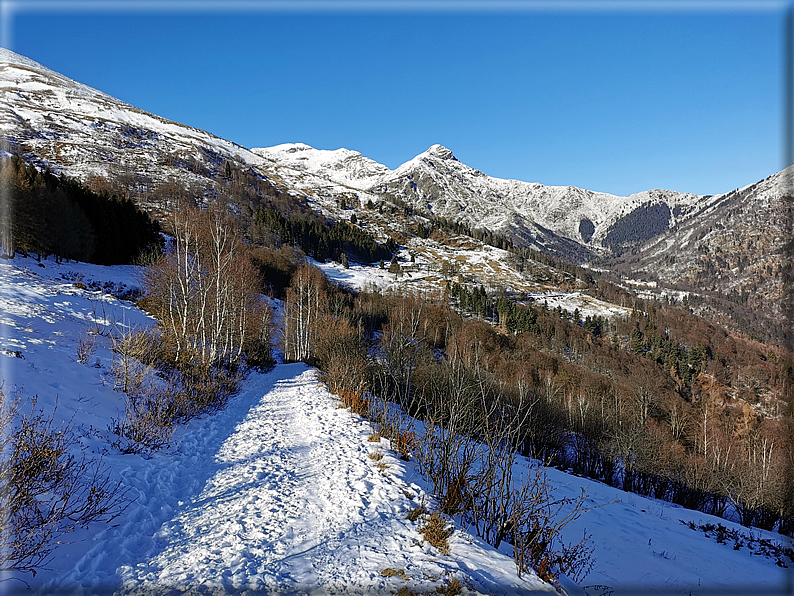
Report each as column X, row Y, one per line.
column 733, row 244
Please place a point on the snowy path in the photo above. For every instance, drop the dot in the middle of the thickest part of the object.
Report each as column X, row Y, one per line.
column 276, row 494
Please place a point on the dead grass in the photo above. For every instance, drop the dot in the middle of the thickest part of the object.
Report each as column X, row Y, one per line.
column 389, row 572
column 453, row 588
column 376, row 455
column 374, row 438
column 436, row 531
column 415, row 513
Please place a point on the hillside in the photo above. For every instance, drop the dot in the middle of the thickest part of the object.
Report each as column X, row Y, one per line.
column 724, row 252
column 278, row 490
column 737, row 250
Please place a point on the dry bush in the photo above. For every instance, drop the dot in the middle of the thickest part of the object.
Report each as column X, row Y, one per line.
column 389, row 422
column 415, row 513
column 453, row 588
column 48, row 486
column 86, row 346
column 537, row 518
column 157, row 401
column 135, row 350
column 152, row 414
column 354, row 400
column 436, row 531
column 148, row 424
column 404, row 443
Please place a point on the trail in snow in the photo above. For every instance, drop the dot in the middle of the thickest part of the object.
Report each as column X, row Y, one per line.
column 277, row 494
column 277, row 490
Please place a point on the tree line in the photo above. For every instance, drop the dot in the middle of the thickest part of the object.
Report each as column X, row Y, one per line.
column 324, row 242
column 54, row 215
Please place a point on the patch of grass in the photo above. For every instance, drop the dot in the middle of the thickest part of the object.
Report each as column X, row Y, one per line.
column 390, row 572
column 374, row 438
column 453, row 588
column 376, row 455
column 383, row 466
column 416, row 513
column 436, row 531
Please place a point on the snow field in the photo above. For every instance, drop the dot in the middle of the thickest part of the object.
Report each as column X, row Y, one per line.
column 277, row 494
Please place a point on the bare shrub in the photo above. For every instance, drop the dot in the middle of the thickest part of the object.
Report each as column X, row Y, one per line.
column 86, row 346
column 135, row 350
column 48, row 486
column 538, row 517
column 148, row 424
column 389, row 422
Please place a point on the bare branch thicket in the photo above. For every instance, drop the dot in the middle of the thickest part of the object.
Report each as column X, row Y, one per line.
column 445, row 452
column 468, row 452
column 48, row 486
column 205, row 290
column 539, row 516
column 306, row 302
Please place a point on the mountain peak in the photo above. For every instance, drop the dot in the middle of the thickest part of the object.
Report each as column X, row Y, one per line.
column 440, row 152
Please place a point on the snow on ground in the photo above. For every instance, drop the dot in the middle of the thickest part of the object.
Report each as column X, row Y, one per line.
column 277, row 492
column 587, row 305
column 427, row 280
column 642, row 547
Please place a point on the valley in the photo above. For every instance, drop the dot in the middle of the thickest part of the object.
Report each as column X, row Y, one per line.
column 643, row 342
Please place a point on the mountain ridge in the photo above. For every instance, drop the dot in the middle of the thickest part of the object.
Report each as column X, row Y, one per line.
column 55, row 122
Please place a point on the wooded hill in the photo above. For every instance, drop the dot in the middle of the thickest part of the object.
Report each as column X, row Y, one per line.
column 54, row 215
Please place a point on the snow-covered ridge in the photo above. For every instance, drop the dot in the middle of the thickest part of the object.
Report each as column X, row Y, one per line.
column 435, row 182
column 83, row 132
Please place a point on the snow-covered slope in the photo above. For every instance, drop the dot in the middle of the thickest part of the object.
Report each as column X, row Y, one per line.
column 277, row 493
column 70, row 127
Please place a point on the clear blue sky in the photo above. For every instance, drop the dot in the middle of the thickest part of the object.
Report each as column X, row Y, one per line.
column 614, row 100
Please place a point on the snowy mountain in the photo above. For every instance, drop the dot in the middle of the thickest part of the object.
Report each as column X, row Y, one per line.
column 737, row 248
column 56, row 122
column 700, row 242
column 435, row 183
